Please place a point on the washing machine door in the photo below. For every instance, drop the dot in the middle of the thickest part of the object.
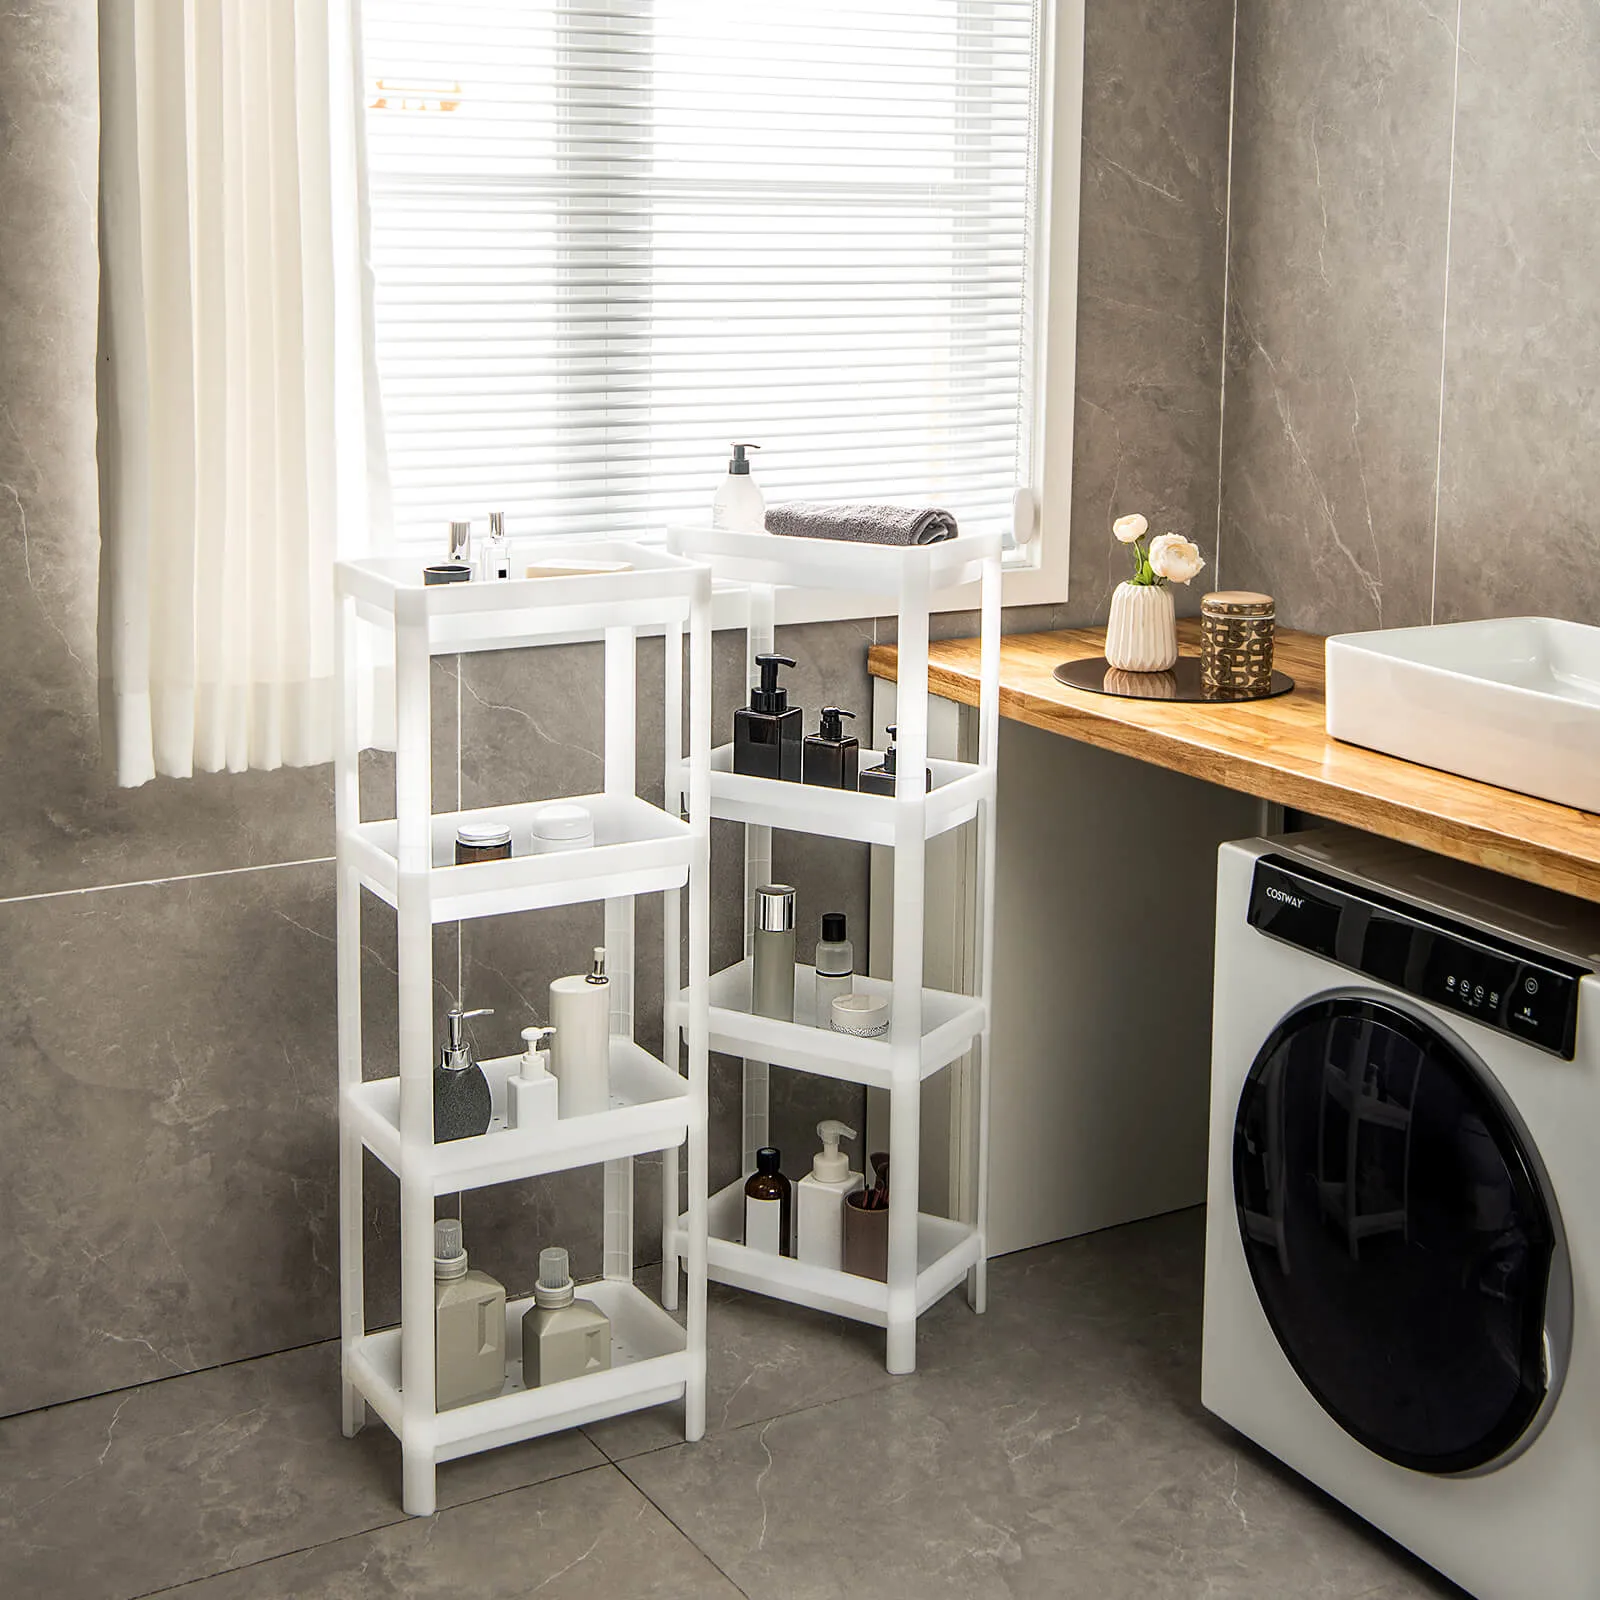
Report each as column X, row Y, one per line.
column 1398, row 1234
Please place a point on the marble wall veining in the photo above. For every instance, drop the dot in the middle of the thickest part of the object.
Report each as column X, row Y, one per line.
column 167, row 1148
column 1413, row 324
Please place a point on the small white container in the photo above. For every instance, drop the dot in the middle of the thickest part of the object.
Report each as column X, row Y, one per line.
column 864, row 1015
column 563, row 826
column 739, row 503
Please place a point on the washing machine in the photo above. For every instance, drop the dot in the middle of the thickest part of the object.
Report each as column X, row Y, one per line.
column 1403, row 1235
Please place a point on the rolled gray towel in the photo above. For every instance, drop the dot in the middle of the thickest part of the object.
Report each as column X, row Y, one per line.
column 860, row 522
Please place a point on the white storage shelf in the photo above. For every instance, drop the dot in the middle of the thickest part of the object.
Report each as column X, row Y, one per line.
column 649, row 1366
column 958, row 786
column 765, row 558
column 946, row 1251
column 930, row 1028
column 505, row 615
column 650, row 1110
column 638, row 849
column 408, row 862
column 950, row 1022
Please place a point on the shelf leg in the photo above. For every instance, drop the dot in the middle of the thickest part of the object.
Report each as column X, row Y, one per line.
column 670, row 1209
column 419, row 1490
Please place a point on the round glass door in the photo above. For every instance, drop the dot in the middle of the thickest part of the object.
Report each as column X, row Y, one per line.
column 1399, row 1240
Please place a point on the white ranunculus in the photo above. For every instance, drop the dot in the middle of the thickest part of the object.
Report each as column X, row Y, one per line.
column 1129, row 529
column 1175, row 558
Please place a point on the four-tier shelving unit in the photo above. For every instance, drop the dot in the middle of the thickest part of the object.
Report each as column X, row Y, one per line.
column 930, row 1029
column 658, row 1103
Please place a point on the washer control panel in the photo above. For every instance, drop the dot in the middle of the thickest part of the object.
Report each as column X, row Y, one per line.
column 1524, row 993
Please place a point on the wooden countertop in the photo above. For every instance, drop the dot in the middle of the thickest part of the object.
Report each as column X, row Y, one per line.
column 1279, row 750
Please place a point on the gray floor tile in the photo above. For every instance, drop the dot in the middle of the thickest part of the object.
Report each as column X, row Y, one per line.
column 588, row 1535
column 1059, row 1472
column 132, row 1492
column 764, row 1358
column 1138, row 1284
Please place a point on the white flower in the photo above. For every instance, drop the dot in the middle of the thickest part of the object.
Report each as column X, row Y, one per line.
column 1175, row 558
column 1129, row 529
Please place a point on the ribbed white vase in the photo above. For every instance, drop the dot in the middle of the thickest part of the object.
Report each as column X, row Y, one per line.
column 1142, row 635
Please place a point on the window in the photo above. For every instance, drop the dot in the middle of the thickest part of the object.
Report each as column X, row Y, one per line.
column 610, row 236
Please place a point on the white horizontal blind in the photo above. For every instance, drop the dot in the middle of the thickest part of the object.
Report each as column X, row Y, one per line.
column 610, row 236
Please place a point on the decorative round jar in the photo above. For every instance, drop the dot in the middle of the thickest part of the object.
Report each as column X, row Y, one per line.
column 1142, row 635
column 1236, row 629
column 562, row 826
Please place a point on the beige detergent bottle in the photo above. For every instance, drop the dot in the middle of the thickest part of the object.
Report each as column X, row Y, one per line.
column 469, row 1310
column 562, row 1336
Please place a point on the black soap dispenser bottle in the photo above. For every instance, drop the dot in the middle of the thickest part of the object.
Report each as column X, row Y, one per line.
column 767, row 732
column 880, row 779
column 462, row 1104
column 830, row 759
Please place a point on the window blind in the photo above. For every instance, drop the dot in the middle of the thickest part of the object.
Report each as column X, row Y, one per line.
column 612, row 236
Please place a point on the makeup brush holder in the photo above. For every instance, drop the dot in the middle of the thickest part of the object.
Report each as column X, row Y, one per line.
column 866, row 1237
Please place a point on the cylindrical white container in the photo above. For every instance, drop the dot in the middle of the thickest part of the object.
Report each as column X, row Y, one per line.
column 580, row 1056
column 1142, row 635
column 562, row 826
column 864, row 1015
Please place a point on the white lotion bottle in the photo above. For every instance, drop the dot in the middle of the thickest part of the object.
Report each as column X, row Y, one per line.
column 580, row 1008
column 739, row 504
column 533, row 1097
column 835, row 966
column 819, row 1200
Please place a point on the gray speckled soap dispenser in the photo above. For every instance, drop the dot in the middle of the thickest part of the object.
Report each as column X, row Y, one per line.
column 462, row 1104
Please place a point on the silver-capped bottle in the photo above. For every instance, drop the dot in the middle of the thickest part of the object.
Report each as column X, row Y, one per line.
column 772, row 983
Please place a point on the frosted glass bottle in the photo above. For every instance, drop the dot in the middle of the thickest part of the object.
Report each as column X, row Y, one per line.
column 469, row 1338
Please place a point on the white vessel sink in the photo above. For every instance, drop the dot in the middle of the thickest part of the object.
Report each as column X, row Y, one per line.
column 1513, row 701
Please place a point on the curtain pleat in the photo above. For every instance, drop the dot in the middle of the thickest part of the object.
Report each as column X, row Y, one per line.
column 235, row 315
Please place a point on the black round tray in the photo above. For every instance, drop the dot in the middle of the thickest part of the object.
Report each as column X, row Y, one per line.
column 1182, row 683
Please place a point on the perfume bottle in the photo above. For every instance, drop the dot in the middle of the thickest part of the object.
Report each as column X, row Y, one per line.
column 830, row 759
column 767, row 732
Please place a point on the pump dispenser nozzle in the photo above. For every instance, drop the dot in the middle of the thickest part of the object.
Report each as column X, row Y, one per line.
column 739, row 467
column 889, row 754
column 831, row 1164
column 769, row 699
column 829, row 725
column 457, row 1053
column 597, row 973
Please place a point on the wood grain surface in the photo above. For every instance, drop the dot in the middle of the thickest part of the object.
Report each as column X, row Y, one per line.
column 1280, row 750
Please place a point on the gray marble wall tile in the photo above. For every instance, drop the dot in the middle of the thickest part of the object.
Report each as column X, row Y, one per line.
column 1520, row 500
column 1155, row 149
column 167, row 1153
column 65, row 824
column 1340, row 202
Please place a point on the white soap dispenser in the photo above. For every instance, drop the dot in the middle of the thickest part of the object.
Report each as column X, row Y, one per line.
column 740, row 505
column 819, row 1209
column 534, row 1100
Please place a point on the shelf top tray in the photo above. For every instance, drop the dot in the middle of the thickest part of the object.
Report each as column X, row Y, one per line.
column 638, row 849
column 958, row 786
column 482, row 615
column 837, row 564
column 650, row 1110
column 950, row 1023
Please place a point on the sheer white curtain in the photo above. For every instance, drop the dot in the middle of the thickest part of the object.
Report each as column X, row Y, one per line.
column 241, row 446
